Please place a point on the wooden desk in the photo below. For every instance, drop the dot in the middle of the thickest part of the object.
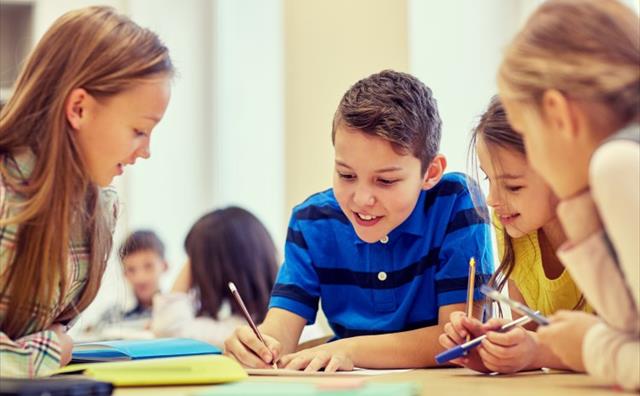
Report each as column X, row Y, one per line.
column 452, row 381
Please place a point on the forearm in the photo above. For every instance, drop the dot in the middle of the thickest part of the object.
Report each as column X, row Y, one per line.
column 408, row 349
column 544, row 357
column 285, row 327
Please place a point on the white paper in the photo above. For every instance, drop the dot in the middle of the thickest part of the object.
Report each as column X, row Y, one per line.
column 298, row 373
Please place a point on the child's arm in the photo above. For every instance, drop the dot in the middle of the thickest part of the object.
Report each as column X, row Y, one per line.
column 37, row 354
column 281, row 330
column 183, row 281
column 407, row 349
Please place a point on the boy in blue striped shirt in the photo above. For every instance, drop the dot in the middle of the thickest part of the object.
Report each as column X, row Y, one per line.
column 386, row 250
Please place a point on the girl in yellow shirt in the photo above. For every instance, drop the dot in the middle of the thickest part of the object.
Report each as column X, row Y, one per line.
column 528, row 234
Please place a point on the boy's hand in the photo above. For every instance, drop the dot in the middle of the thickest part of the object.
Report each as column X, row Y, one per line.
column 246, row 348
column 66, row 343
column 508, row 352
column 565, row 334
column 325, row 356
column 455, row 333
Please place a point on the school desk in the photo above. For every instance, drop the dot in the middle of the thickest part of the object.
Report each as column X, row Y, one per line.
column 448, row 381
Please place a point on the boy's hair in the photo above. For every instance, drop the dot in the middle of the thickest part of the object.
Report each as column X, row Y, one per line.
column 139, row 241
column 105, row 53
column 232, row 245
column 396, row 107
column 587, row 49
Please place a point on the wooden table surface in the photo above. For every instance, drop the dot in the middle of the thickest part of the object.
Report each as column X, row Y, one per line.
column 448, row 381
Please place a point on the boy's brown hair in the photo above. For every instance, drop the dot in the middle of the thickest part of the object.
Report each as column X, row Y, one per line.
column 139, row 241
column 396, row 107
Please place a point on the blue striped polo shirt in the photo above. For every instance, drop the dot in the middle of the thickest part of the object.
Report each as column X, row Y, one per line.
column 376, row 288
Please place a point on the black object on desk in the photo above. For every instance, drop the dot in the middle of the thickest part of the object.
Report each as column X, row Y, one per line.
column 54, row 386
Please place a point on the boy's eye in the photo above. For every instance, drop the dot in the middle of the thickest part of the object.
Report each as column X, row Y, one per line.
column 514, row 188
column 346, row 176
column 387, row 182
column 139, row 132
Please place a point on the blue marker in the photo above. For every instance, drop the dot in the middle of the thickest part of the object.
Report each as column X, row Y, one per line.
column 462, row 349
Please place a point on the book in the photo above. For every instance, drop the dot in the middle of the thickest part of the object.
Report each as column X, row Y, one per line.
column 203, row 369
column 107, row 351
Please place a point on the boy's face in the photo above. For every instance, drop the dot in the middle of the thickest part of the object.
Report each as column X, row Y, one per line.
column 143, row 270
column 376, row 187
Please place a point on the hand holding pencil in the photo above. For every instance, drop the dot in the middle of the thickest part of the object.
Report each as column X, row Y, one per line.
column 267, row 355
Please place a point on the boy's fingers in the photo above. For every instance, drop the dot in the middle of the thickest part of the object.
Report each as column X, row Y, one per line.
column 318, row 362
column 253, row 343
column 453, row 334
column 298, row 363
column 239, row 352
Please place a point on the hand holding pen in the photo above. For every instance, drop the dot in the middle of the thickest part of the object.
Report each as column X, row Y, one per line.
column 247, row 316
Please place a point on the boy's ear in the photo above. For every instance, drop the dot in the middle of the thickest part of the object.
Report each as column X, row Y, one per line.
column 434, row 172
column 75, row 107
column 559, row 114
column 165, row 266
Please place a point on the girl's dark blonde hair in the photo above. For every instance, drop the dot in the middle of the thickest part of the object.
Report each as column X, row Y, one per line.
column 495, row 131
column 105, row 53
column 586, row 49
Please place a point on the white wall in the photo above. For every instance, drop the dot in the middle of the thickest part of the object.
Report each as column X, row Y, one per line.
column 455, row 48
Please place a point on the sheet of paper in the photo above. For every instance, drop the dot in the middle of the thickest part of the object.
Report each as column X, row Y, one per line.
column 295, row 373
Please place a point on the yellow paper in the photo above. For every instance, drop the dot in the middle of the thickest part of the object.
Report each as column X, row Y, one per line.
column 202, row 369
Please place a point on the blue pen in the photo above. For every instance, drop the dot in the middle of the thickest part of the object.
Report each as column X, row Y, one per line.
column 462, row 349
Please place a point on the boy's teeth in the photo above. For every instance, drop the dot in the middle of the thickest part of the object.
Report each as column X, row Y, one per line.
column 366, row 217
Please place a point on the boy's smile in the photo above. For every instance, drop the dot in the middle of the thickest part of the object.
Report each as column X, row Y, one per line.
column 376, row 187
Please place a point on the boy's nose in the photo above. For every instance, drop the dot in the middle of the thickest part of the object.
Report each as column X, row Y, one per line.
column 363, row 197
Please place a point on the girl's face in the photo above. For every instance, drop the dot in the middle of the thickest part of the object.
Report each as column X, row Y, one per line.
column 520, row 198
column 112, row 133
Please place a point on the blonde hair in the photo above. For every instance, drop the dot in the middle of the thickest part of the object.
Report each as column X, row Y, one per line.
column 105, row 53
column 586, row 49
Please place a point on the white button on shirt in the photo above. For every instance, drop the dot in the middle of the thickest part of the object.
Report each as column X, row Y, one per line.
column 382, row 276
column 384, row 239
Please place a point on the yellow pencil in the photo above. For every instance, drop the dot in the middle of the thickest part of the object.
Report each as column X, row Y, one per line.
column 470, row 287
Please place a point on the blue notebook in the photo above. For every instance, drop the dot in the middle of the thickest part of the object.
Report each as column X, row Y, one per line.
column 108, row 351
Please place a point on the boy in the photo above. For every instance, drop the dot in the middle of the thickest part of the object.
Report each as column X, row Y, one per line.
column 143, row 263
column 386, row 250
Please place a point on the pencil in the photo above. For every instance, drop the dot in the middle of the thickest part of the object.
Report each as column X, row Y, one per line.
column 470, row 287
column 236, row 294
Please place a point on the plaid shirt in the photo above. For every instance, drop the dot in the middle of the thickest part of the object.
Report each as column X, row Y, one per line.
column 37, row 352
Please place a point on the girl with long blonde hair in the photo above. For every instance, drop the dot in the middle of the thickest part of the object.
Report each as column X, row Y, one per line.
column 570, row 83
column 83, row 107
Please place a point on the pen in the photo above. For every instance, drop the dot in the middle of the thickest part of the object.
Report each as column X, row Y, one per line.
column 470, row 287
column 516, row 306
column 462, row 349
column 236, row 294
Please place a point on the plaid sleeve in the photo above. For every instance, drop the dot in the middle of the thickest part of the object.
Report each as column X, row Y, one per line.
column 31, row 356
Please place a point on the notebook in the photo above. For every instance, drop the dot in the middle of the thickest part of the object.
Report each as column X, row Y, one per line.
column 203, row 369
column 108, row 351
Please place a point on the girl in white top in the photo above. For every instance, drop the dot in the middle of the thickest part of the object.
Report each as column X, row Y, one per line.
column 226, row 245
column 570, row 82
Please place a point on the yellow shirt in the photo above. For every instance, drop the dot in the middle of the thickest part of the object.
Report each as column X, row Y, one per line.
column 539, row 292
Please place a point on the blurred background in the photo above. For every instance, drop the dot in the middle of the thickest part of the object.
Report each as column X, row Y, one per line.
column 258, row 82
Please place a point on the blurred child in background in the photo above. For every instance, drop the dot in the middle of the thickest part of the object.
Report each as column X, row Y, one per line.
column 226, row 245
column 143, row 264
